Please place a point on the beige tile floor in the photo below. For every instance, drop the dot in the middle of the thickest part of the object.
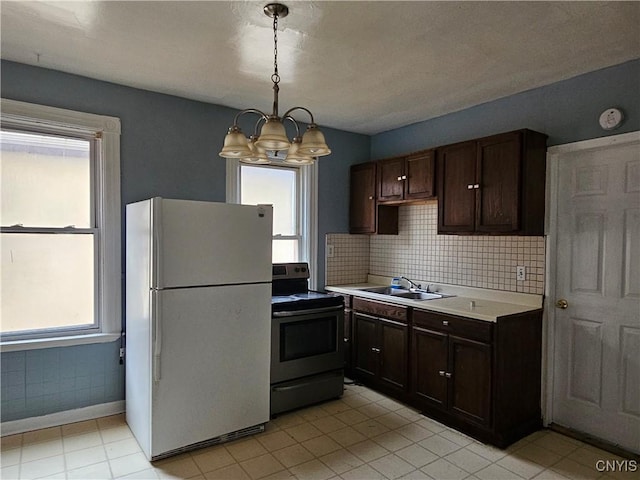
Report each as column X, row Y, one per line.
column 363, row 435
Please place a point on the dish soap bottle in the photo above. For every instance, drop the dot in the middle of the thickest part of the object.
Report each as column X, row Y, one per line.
column 395, row 282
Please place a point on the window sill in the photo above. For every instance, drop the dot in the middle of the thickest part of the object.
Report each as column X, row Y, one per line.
column 39, row 343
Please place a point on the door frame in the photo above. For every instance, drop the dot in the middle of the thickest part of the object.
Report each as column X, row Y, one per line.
column 551, row 231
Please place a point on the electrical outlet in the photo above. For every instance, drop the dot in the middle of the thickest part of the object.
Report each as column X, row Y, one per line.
column 330, row 251
column 521, row 273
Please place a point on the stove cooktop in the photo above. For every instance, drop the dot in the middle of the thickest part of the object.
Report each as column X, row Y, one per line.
column 305, row 301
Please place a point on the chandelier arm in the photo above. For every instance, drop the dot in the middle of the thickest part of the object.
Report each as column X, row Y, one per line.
column 287, row 113
column 255, row 130
column 295, row 123
column 249, row 110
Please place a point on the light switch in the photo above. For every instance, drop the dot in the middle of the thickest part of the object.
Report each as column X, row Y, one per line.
column 521, row 273
column 330, row 251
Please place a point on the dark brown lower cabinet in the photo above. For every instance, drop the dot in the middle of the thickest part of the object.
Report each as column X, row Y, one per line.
column 430, row 351
column 470, row 380
column 380, row 347
column 452, row 374
column 365, row 354
column 348, row 337
column 480, row 377
column 394, row 342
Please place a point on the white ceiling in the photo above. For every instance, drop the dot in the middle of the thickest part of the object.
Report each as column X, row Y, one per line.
column 358, row 66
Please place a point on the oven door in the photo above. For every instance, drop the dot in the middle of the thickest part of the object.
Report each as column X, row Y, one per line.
column 306, row 342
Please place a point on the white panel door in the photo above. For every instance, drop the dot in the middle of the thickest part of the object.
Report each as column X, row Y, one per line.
column 596, row 360
column 208, row 243
column 210, row 364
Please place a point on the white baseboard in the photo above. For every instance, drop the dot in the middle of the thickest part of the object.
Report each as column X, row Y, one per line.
column 62, row 418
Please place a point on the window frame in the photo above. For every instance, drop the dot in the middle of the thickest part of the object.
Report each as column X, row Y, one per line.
column 22, row 116
column 308, row 206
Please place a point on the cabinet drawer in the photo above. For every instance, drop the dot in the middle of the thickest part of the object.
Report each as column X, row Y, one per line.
column 463, row 327
column 388, row 310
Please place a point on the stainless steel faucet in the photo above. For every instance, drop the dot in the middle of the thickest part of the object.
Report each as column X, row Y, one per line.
column 416, row 286
column 413, row 284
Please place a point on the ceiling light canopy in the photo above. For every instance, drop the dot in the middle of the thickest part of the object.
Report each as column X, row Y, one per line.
column 301, row 150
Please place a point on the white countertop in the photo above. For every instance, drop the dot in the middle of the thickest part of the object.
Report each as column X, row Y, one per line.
column 477, row 303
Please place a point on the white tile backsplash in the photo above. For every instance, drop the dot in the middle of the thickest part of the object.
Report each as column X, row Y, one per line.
column 350, row 261
column 418, row 252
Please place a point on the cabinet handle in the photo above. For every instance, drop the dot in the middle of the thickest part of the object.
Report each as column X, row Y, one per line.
column 469, row 187
column 445, row 322
column 448, row 375
column 477, row 185
column 399, row 178
column 370, row 198
column 404, row 177
column 346, row 340
column 441, row 373
column 375, row 350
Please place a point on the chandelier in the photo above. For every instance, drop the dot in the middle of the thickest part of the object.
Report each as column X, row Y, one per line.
column 301, row 150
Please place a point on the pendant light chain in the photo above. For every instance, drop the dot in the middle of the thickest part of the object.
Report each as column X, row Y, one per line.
column 275, row 78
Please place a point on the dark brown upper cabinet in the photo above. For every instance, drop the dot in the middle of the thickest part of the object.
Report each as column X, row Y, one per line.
column 407, row 178
column 365, row 215
column 493, row 185
column 362, row 198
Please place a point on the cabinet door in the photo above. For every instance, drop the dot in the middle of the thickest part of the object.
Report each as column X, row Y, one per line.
column 420, row 172
column 456, row 193
column 391, row 180
column 394, row 341
column 470, row 382
column 429, row 366
column 348, row 338
column 499, row 167
column 365, row 356
column 362, row 202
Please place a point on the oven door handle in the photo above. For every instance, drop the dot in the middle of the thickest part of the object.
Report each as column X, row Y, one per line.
column 306, row 311
column 286, row 388
column 291, row 387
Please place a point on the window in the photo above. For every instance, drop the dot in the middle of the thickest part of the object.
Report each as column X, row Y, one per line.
column 60, row 223
column 279, row 187
column 291, row 191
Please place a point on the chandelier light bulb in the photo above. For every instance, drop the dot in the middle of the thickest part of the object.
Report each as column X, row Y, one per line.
column 313, row 142
column 273, row 135
column 294, row 156
column 235, row 145
column 258, row 155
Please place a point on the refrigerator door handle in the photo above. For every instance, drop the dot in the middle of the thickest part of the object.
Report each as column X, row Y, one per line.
column 156, row 229
column 157, row 341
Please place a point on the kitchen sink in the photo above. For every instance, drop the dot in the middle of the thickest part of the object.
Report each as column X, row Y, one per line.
column 386, row 290
column 419, row 295
column 404, row 293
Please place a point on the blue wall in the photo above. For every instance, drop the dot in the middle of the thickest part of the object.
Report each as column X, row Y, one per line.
column 567, row 111
column 38, row 382
column 169, row 147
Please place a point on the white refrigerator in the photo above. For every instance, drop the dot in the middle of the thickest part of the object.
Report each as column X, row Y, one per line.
column 198, row 322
